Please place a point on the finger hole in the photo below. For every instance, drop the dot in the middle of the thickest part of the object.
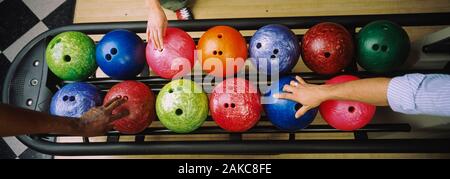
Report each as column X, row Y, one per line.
column 179, row 112
column 351, row 109
column 298, row 106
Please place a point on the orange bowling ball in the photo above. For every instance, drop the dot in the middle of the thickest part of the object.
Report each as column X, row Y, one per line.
column 223, row 51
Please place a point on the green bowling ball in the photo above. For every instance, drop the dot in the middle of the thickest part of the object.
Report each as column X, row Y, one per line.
column 71, row 56
column 182, row 106
column 382, row 46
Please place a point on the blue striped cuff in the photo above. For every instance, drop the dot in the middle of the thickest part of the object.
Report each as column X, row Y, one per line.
column 402, row 92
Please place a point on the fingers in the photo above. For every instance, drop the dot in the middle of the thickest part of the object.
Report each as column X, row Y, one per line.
column 288, row 88
column 300, row 80
column 300, row 112
column 154, row 39
column 160, row 39
column 119, row 115
column 284, row 96
column 111, row 101
column 294, row 83
column 116, row 103
column 157, row 39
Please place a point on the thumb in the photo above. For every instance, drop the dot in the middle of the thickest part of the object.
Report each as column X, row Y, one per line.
column 301, row 111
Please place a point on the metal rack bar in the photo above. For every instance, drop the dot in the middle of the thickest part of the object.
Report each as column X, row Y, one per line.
column 244, row 147
column 265, row 129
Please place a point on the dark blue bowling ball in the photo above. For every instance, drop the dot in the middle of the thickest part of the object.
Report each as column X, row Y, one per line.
column 274, row 46
column 281, row 112
column 74, row 99
column 121, row 54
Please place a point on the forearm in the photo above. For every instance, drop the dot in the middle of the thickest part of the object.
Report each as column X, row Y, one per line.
column 372, row 91
column 18, row 121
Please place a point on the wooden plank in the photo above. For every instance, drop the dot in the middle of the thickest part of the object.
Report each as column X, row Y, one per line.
column 125, row 10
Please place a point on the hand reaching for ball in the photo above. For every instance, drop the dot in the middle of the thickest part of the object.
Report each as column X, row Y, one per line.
column 156, row 24
column 98, row 120
column 309, row 95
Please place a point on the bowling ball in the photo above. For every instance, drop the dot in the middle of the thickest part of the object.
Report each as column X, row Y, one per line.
column 121, row 54
column 182, row 106
column 177, row 57
column 140, row 104
column 221, row 45
column 74, row 99
column 327, row 48
column 235, row 105
column 71, row 56
column 382, row 46
column 281, row 112
column 274, row 46
column 346, row 115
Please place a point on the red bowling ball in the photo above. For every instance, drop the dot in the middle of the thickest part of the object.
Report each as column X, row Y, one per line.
column 327, row 48
column 235, row 105
column 346, row 115
column 140, row 104
column 177, row 57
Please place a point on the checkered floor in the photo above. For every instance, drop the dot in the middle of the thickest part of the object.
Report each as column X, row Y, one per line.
column 20, row 22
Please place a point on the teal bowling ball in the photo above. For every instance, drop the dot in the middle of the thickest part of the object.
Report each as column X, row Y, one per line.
column 382, row 46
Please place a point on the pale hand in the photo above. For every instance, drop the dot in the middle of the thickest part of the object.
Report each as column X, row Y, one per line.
column 156, row 27
column 309, row 95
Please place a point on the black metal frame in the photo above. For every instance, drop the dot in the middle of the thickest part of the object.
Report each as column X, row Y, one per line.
column 30, row 65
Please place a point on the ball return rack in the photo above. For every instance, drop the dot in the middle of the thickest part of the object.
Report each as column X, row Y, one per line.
column 29, row 84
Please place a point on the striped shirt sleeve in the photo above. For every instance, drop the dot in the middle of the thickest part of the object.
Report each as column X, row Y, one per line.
column 420, row 94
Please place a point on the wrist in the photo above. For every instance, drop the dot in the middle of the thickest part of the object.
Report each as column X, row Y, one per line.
column 155, row 12
column 325, row 92
column 68, row 126
column 76, row 127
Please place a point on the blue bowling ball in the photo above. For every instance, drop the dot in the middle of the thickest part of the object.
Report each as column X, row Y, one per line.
column 281, row 112
column 274, row 46
column 74, row 99
column 121, row 54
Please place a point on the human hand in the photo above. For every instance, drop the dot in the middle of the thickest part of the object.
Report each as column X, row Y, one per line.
column 98, row 120
column 309, row 95
column 156, row 27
